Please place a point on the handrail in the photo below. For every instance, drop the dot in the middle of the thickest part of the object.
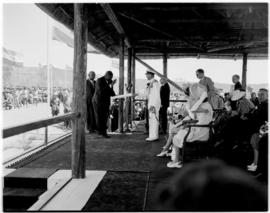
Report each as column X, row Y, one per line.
column 22, row 128
column 170, row 100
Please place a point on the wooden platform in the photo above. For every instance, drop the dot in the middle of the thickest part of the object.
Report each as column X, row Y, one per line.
column 133, row 173
column 127, row 152
column 122, row 155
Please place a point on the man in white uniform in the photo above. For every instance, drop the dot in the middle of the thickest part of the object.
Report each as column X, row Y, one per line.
column 153, row 96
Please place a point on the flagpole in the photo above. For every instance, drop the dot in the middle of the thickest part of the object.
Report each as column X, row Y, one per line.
column 48, row 63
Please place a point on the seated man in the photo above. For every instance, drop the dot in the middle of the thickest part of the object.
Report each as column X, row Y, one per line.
column 236, row 127
column 256, row 120
column 255, row 141
column 237, row 86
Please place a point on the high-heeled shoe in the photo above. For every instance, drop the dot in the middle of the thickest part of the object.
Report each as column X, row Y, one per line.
column 172, row 164
column 163, row 154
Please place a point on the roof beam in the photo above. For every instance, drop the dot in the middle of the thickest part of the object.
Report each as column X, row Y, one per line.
column 159, row 74
column 239, row 45
column 112, row 16
column 160, row 31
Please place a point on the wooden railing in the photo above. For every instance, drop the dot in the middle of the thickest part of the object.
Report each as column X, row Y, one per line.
column 174, row 101
column 22, row 128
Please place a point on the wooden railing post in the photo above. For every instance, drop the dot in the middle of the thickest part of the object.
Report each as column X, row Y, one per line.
column 121, row 84
column 79, row 90
column 46, row 136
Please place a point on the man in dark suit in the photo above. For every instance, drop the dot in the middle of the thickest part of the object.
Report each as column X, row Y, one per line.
column 237, row 84
column 90, row 90
column 101, row 101
column 165, row 103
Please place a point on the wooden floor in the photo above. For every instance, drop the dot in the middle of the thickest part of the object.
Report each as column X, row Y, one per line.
column 127, row 158
column 126, row 152
column 133, row 172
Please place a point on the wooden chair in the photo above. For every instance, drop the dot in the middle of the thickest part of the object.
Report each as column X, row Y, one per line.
column 197, row 150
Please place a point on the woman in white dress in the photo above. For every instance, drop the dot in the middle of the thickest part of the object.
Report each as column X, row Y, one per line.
column 198, row 109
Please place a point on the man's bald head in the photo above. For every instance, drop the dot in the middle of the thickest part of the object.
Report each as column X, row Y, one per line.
column 91, row 75
column 163, row 81
column 108, row 75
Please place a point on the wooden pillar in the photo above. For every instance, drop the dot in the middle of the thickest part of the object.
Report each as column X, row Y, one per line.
column 128, row 102
column 121, row 84
column 133, row 82
column 165, row 65
column 244, row 71
column 79, row 91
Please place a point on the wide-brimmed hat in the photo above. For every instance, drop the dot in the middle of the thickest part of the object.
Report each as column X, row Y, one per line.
column 237, row 94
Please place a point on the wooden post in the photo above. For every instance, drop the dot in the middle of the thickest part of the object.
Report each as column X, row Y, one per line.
column 128, row 102
column 165, row 65
column 79, row 90
column 244, row 71
column 121, row 84
column 133, row 82
column 158, row 74
column 46, row 136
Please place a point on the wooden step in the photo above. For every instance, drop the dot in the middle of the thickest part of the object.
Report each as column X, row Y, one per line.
column 20, row 198
column 28, row 178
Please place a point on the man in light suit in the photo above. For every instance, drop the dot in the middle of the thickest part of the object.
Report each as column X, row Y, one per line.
column 213, row 97
column 154, row 103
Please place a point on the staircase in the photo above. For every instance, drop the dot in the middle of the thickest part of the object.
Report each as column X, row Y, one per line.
column 23, row 187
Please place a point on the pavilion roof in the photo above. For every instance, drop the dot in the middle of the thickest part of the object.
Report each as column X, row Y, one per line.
column 208, row 30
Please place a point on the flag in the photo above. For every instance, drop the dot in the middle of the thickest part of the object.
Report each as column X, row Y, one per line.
column 12, row 58
column 59, row 35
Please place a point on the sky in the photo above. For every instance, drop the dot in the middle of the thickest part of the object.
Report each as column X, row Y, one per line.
column 25, row 30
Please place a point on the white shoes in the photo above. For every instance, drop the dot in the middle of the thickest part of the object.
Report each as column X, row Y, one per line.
column 252, row 167
column 151, row 139
column 172, row 164
column 163, row 154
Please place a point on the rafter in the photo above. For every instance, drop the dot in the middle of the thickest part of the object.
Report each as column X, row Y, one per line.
column 112, row 16
column 159, row 31
column 238, row 45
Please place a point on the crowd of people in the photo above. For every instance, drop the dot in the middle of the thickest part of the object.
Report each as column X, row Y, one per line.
column 235, row 117
column 17, row 97
column 237, row 121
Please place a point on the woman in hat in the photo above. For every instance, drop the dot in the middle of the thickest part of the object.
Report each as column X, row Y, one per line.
column 198, row 109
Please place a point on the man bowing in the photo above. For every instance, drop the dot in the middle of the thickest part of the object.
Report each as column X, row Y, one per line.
column 153, row 97
column 101, row 101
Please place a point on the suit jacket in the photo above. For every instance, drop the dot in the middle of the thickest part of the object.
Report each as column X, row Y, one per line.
column 103, row 93
column 153, row 94
column 90, row 90
column 238, row 86
column 165, row 95
column 259, row 116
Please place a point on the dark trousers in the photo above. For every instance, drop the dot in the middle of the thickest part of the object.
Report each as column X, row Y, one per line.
column 101, row 115
column 163, row 118
column 263, row 158
column 91, row 120
column 146, row 113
